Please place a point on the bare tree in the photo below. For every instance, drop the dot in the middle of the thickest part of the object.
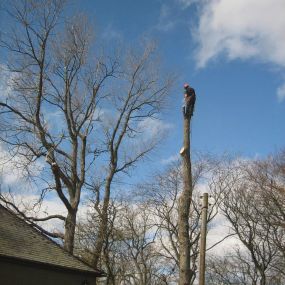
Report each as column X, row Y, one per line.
column 162, row 194
column 236, row 267
column 269, row 177
column 129, row 253
column 111, row 258
column 52, row 115
column 242, row 205
column 231, row 269
column 139, row 234
column 52, row 109
column 139, row 95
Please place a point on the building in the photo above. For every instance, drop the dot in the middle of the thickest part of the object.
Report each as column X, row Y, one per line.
column 27, row 257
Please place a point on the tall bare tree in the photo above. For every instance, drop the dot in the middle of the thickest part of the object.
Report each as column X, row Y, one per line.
column 52, row 114
column 139, row 94
column 51, row 110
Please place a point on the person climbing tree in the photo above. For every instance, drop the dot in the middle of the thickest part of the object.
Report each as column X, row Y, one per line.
column 189, row 100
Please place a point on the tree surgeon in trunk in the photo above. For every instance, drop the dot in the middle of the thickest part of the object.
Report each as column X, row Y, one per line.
column 189, row 101
column 185, row 274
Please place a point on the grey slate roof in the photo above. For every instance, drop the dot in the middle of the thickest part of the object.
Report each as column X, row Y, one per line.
column 20, row 240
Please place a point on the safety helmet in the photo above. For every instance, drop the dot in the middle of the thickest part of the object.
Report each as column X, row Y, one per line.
column 186, row 85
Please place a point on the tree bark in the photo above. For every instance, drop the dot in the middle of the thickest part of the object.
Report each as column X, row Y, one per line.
column 184, row 209
column 103, row 227
column 69, row 232
column 263, row 278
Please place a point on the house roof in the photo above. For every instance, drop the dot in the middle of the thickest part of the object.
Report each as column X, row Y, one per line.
column 19, row 240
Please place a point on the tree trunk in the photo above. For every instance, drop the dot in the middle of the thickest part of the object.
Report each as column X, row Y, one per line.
column 103, row 227
column 69, row 232
column 184, row 208
column 263, row 279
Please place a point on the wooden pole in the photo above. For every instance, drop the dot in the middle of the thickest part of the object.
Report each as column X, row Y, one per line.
column 203, row 239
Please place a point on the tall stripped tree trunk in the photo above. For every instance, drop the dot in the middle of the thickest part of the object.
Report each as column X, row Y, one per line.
column 184, row 208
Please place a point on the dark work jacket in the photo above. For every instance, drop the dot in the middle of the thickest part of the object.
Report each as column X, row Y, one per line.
column 189, row 100
column 191, row 96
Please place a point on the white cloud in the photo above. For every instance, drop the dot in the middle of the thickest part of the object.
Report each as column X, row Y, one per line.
column 186, row 3
column 6, row 82
column 242, row 29
column 111, row 33
column 165, row 23
column 153, row 127
column 281, row 92
column 55, row 121
column 10, row 174
column 217, row 233
column 26, row 202
column 13, row 170
column 171, row 159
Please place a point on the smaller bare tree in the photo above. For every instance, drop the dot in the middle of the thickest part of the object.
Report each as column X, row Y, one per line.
column 242, row 205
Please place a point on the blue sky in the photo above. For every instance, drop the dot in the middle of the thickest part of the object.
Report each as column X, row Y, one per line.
column 232, row 52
